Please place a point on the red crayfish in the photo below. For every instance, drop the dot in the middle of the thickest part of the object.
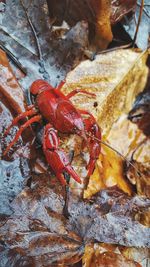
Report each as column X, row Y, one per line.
column 62, row 116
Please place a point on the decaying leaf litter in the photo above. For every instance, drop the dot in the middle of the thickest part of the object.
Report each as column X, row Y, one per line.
column 59, row 64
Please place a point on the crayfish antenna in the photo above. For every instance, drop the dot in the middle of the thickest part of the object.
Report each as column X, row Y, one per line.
column 117, row 152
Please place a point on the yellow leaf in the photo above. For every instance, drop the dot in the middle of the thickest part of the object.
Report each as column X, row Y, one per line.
column 115, row 78
column 108, row 172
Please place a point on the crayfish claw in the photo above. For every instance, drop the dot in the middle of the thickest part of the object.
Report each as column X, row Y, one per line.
column 57, row 158
column 93, row 133
column 90, row 167
column 61, row 178
column 71, row 171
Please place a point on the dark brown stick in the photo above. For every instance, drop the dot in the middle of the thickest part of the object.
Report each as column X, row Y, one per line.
column 138, row 23
column 13, row 58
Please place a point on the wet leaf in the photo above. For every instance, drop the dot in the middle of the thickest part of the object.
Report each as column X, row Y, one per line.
column 12, row 181
column 111, row 219
column 38, row 229
column 57, row 56
column 14, row 173
column 115, row 78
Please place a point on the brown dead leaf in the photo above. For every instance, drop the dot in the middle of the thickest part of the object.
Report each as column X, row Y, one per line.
column 9, row 86
column 129, row 140
column 139, row 255
column 100, row 14
column 95, row 12
column 105, row 255
column 103, row 27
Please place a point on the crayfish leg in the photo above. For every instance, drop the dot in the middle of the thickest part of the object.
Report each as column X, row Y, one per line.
column 22, row 128
column 60, row 85
column 27, row 113
column 61, row 178
column 77, row 91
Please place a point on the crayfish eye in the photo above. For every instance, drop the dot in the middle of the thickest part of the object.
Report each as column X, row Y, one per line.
column 38, row 86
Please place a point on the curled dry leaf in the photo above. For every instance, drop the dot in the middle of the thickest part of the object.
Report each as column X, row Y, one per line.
column 140, row 112
column 103, row 32
column 121, row 8
column 99, row 14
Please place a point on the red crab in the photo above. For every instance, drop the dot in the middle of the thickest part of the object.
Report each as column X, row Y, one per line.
column 62, row 116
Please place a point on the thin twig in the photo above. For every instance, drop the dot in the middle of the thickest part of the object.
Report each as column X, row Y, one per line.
column 144, row 9
column 13, row 58
column 33, row 30
column 30, row 3
column 115, row 48
column 138, row 24
column 15, row 40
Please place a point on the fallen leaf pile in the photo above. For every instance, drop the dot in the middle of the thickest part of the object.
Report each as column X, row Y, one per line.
column 105, row 221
